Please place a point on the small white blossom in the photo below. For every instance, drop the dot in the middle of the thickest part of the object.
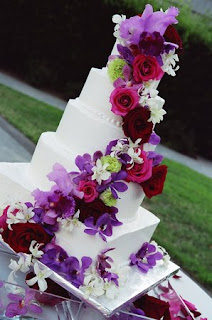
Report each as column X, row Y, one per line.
column 118, row 20
column 22, row 265
column 41, row 275
column 166, row 256
column 69, row 223
column 111, row 289
column 93, row 284
column 19, row 213
column 169, row 63
column 34, row 249
column 100, row 172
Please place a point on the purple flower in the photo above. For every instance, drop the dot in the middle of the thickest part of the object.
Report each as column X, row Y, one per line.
column 54, row 257
column 75, row 272
column 21, row 305
column 85, row 164
column 103, row 263
column 157, row 158
column 127, row 81
column 126, row 54
column 103, row 226
column 146, row 257
column 154, row 139
column 131, row 29
column 115, row 185
column 151, row 44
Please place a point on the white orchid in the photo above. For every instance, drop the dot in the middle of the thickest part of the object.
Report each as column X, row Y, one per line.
column 93, row 284
column 118, row 20
column 111, row 290
column 166, row 256
column 40, row 278
column 34, row 249
column 69, row 223
column 19, row 213
column 23, row 265
column 169, row 63
column 100, row 172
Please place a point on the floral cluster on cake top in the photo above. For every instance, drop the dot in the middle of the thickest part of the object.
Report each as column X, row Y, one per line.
column 88, row 197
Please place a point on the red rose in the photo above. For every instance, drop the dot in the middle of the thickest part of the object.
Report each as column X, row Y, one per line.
column 154, row 185
column 140, row 171
column 171, row 35
column 21, row 235
column 89, row 189
column 123, row 100
column 153, row 307
column 146, row 68
column 93, row 209
column 136, row 124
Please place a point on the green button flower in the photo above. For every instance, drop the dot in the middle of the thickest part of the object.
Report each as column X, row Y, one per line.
column 115, row 69
column 108, row 198
column 114, row 165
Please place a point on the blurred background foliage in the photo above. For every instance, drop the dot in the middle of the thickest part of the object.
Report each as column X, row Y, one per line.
column 53, row 44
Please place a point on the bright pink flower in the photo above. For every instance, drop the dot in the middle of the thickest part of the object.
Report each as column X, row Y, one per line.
column 140, row 171
column 146, row 68
column 123, row 100
column 3, row 218
column 89, row 189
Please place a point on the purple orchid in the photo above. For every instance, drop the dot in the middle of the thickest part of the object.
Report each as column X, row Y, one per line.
column 75, row 272
column 21, row 305
column 114, row 184
column 126, row 54
column 103, row 226
column 128, row 80
column 156, row 157
column 55, row 204
column 123, row 157
column 151, row 44
column 154, row 139
column 85, row 164
column 149, row 21
column 54, row 257
column 103, row 263
column 146, row 257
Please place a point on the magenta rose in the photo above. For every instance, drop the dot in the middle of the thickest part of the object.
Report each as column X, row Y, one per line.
column 89, row 189
column 146, row 68
column 136, row 124
column 123, row 100
column 140, row 171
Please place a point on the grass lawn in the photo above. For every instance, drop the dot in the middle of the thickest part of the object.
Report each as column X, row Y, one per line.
column 185, row 207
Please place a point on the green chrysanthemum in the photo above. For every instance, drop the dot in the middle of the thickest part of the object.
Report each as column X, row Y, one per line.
column 108, row 198
column 114, row 165
column 115, row 69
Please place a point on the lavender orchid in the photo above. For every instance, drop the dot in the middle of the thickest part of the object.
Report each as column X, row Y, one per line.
column 54, row 257
column 103, row 263
column 103, row 226
column 146, row 257
column 20, row 305
column 115, row 185
column 75, row 272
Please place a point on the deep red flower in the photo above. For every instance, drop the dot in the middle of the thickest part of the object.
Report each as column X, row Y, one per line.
column 22, row 234
column 92, row 209
column 146, row 68
column 136, row 124
column 154, row 185
column 171, row 35
column 153, row 307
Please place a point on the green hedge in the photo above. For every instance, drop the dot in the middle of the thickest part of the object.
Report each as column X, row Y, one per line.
column 53, row 45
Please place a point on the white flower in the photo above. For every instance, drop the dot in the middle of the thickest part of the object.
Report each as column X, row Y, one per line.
column 118, row 20
column 111, row 290
column 156, row 108
column 19, row 213
column 69, row 223
column 34, row 249
column 166, row 256
column 93, row 284
column 22, row 265
column 99, row 172
column 41, row 275
column 169, row 63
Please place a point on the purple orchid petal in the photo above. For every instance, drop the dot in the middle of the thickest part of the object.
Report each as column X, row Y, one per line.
column 112, row 143
column 120, row 186
column 126, row 54
column 103, row 220
column 89, row 222
column 108, row 231
column 102, row 236
column 154, row 139
column 114, row 193
column 119, row 83
column 86, row 262
column 157, row 158
column 127, row 72
column 91, row 232
column 61, row 177
column 87, row 157
column 121, row 175
column 35, row 308
column 15, row 297
column 148, row 11
column 97, row 155
column 79, row 161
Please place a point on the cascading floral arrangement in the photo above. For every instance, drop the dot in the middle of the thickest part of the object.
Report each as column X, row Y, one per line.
column 146, row 50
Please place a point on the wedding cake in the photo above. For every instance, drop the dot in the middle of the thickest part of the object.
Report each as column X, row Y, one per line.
column 76, row 205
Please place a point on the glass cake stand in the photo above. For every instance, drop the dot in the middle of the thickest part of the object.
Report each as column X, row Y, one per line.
column 138, row 284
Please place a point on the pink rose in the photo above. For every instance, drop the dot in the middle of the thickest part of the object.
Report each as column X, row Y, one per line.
column 146, row 68
column 89, row 189
column 140, row 171
column 3, row 218
column 123, row 100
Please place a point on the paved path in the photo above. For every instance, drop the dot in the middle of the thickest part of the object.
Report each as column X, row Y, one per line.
column 15, row 147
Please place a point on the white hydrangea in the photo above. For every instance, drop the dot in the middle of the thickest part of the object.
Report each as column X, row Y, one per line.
column 169, row 63
column 100, row 172
column 19, row 213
